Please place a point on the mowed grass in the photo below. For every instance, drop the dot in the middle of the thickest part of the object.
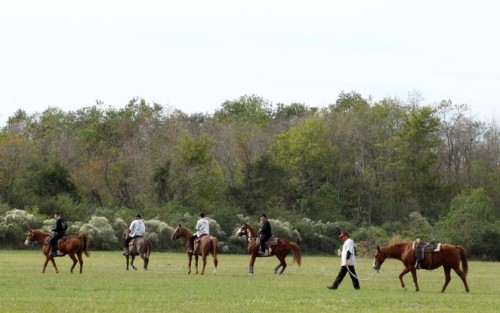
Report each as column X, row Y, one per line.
column 105, row 286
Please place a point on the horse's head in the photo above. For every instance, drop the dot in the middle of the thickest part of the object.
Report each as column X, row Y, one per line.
column 30, row 238
column 35, row 236
column 177, row 232
column 126, row 232
column 379, row 259
column 243, row 230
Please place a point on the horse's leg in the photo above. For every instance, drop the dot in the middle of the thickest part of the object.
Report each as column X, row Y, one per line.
column 414, row 275
column 132, row 262
column 403, row 273
column 196, row 262
column 146, row 260
column 462, row 276
column 72, row 256
column 190, row 257
column 252, row 262
column 282, row 264
column 80, row 260
column 204, row 260
column 447, row 277
column 47, row 258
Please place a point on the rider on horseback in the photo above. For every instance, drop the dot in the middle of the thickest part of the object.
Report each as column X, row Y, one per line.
column 202, row 228
column 264, row 234
column 57, row 233
column 137, row 229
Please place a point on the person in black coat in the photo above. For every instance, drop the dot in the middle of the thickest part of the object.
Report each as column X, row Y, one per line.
column 264, row 234
column 57, row 233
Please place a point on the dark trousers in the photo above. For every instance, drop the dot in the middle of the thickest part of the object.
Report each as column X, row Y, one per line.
column 343, row 271
column 263, row 240
column 191, row 241
column 127, row 241
column 53, row 241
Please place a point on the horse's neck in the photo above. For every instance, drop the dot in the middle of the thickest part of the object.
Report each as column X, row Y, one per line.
column 251, row 234
column 186, row 233
column 396, row 251
column 41, row 237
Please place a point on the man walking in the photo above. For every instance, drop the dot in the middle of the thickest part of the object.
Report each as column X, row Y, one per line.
column 347, row 262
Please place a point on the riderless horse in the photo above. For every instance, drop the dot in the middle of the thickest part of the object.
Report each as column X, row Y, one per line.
column 449, row 256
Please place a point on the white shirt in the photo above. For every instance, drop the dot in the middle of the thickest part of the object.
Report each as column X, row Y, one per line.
column 202, row 227
column 348, row 246
column 137, row 228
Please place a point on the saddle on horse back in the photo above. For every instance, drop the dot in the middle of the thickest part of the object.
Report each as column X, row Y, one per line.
column 269, row 243
column 425, row 247
column 199, row 238
column 131, row 243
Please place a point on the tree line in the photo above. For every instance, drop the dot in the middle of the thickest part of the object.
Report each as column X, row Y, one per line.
column 384, row 170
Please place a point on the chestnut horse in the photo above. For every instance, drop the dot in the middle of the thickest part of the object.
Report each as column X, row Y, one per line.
column 279, row 247
column 449, row 257
column 140, row 246
column 204, row 245
column 70, row 245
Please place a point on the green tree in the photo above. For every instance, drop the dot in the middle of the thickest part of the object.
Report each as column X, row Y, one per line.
column 470, row 217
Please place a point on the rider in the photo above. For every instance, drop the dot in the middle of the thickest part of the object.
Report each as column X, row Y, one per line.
column 57, row 233
column 137, row 229
column 264, row 234
column 202, row 227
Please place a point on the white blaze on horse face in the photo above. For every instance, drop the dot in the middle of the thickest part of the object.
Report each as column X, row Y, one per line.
column 27, row 242
column 239, row 231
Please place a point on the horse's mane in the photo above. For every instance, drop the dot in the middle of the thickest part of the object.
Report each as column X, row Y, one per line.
column 399, row 246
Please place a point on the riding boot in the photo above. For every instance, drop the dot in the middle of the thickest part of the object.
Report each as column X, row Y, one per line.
column 53, row 250
column 125, row 252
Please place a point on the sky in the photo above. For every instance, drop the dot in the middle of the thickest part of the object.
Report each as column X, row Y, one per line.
column 194, row 55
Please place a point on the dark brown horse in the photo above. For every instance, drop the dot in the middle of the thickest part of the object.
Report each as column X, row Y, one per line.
column 279, row 247
column 71, row 245
column 204, row 245
column 140, row 246
column 449, row 257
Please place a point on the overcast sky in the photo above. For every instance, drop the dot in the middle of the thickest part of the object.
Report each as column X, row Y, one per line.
column 194, row 55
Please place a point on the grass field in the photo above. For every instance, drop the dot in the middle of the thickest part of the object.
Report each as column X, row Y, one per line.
column 105, row 286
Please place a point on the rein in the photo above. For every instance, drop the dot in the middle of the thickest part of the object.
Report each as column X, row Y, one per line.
column 369, row 278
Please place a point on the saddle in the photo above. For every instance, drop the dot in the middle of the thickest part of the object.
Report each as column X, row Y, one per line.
column 425, row 247
column 199, row 238
column 131, row 243
column 273, row 241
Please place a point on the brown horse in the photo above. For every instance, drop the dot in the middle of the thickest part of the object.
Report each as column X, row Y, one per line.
column 70, row 245
column 449, row 257
column 279, row 247
column 204, row 245
column 140, row 246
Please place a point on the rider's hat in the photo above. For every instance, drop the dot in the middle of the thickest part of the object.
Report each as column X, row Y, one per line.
column 138, row 216
column 343, row 234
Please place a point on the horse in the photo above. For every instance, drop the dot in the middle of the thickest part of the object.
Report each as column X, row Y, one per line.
column 71, row 245
column 140, row 246
column 279, row 247
column 449, row 257
column 203, row 245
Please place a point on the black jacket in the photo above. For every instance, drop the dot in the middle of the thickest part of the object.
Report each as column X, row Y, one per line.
column 61, row 226
column 265, row 231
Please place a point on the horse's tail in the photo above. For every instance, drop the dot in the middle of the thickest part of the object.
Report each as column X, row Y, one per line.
column 463, row 257
column 149, row 248
column 214, row 250
column 85, row 241
column 297, row 255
